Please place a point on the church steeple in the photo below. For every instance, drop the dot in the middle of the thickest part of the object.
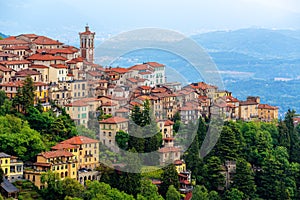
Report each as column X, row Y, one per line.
column 87, row 44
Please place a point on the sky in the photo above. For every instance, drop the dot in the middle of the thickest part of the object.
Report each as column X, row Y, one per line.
column 63, row 19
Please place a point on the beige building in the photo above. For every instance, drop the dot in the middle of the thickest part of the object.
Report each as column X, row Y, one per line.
column 79, row 112
column 248, row 110
column 109, row 128
column 267, row 113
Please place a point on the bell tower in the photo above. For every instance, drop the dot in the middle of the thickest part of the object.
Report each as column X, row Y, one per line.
column 87, row 44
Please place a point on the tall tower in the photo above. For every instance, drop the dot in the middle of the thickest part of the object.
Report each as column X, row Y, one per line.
column 87, row 44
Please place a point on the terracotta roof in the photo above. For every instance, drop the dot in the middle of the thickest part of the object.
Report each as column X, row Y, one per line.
column 12, row 41
column 109, row 103
column 139, row 67
column 78, row 103
column 266, row 106
column 248, row 102
column 45, row 57
column 5, row 69
column 42, row 40
column 77, row 140
column 168, row 123
column 155, row 64
column 59, row 66
column 201, row 85
column 30, row 35
column 60, row 146
column 94, row 73
column 145, row 87
column 119, row 70
column 114, row 120
column 13, row 84
column 15, row 62
column 169, row 149
column 231, row 99
column 65, row 50
column 133, row 80
column 27, row 72
column 23, row 47
column 10, row 55
column 144, row 73
column 39, row 66
column 178, row 162
column 55, row 154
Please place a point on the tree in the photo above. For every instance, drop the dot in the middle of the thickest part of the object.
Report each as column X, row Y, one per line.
column 53, row 189
column 25, row 95
column 243, row 180
column 200, row 193
column 214, row 178
column 169, row 177
column 18, row 139
column 72, row 188
column 122, row 139
column 233, row 194
column 172, row 193
column 3, row 97
column 213, row 195
column 227, row 146
column 149, row 190
column 130, row 181
column 193, row 161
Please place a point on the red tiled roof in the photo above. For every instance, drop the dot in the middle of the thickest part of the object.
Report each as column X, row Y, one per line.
column 201, row 85
column 114, row 120
column 119, row 70
column 45, row 57
column 27, row 72
column 77, row 140
column 42, row 40
column 23, row 47
column 39, row 66
column 109, row 103
column 10, row 55
column 60, row 146
column 178, row 162
column 133, row 80
column 5, row 69
column 266, row 106
column 145, row 87
column 169, row 149
column 12, row 41
column 78, row 103
column 155, row 64
column 55, row 154
column 139, row 67
column 168, row 123
column 29, row 35
column 15, row 62
column 59, row 66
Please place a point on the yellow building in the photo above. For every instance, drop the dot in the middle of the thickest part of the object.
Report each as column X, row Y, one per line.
column 180, row 166
column 11, row 166
column 61, row 161
column 87, row 151
column 267, row 113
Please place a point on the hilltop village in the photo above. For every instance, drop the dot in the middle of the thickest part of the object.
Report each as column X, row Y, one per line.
column 67, row 77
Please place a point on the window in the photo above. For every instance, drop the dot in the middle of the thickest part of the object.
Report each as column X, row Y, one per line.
column 104, row 133
column 109, row 134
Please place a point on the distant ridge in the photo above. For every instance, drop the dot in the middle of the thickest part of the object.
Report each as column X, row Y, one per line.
column 3, row 35
column 253, row 42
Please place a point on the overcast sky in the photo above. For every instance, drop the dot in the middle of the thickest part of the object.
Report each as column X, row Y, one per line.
column 63, row 19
